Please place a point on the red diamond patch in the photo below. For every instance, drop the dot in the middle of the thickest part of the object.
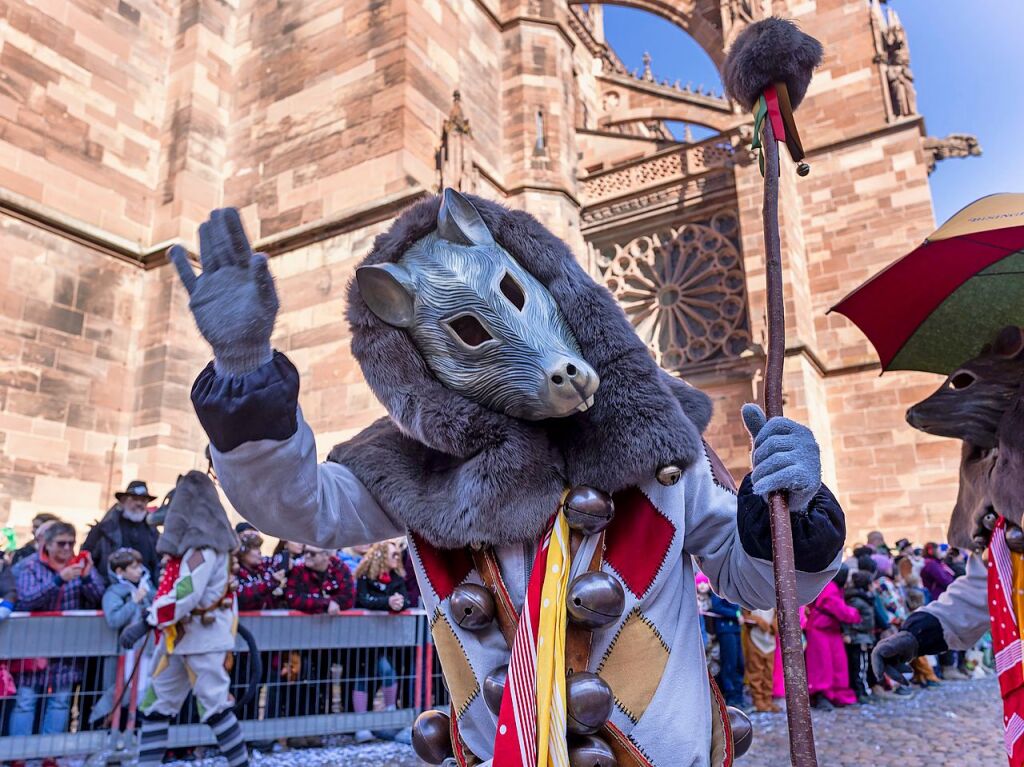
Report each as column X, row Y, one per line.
column 444, row 568
column 637, row 540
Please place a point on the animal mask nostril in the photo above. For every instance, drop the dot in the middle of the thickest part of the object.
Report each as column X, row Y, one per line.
column 557, row 380
column 570, row 369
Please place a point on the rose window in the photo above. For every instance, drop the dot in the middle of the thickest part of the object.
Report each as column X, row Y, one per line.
column 683, row 290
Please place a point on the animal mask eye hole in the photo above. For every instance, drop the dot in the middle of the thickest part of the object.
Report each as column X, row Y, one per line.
column 469, row 330
column 511, row 290
column 961, row 380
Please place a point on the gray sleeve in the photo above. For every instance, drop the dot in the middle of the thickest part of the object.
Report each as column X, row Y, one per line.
column 962, row 609
column 279, row 486
column 713, row 539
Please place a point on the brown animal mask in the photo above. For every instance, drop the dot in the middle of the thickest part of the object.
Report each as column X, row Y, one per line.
column 972, row 401
column 981, row 404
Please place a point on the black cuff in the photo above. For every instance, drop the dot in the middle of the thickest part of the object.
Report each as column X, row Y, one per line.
column 927, row 631
column 258, row 405
column 818, row 532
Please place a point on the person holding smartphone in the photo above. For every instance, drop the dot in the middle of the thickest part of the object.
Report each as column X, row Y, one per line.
column 54, row 578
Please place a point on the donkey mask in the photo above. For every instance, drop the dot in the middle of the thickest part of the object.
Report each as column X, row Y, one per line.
column 981, row 403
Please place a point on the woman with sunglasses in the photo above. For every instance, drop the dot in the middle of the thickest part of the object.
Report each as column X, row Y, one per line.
column 52, row 579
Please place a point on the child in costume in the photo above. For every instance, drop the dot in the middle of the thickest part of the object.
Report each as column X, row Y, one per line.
column 552, row 480
column 760, row 633
column 195, row 613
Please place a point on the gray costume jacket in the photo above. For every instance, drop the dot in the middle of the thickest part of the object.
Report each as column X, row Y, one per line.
column 653, row 658
column 959, row 617
column 453, row 473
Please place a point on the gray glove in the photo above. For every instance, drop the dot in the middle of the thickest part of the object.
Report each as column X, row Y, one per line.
column 133, row 634
column 234, row 301
column 901, row 647
column 786, row 458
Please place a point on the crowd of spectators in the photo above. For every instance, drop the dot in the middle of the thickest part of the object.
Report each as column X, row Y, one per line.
column 116, row 570
column 118, row 565
column 876, row 589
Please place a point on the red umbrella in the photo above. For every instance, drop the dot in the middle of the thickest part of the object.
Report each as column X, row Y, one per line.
column 938, row 305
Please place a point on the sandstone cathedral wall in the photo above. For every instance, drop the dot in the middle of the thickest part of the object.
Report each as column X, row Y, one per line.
column 123, row 122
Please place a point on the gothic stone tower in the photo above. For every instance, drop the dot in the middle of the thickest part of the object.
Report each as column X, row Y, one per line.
column 123, row 122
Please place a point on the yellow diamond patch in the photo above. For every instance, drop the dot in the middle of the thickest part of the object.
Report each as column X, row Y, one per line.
column 458, row 674
column 634, row 664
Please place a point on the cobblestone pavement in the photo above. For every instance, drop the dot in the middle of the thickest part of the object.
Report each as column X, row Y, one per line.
column 957, row 723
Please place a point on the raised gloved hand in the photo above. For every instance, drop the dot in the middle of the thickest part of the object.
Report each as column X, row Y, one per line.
column 133, row 634
column 233, row 301
column 901, row 647
column 785, row 458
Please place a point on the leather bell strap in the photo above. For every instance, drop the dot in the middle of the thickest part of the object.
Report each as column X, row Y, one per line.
column 578, row 639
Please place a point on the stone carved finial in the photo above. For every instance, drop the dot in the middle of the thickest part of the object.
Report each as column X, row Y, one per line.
column 454, row 158
column 457, row 121
column 648, row 75
column 892, row 53
column 954, row 145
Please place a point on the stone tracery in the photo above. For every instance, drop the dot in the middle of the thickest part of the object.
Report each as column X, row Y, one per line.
column 684, row 290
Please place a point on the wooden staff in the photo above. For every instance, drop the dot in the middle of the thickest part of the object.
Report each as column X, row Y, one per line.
column 769, row 67
column 798, row 706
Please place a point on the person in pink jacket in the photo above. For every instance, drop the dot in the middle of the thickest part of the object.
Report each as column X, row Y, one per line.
column 828, row 680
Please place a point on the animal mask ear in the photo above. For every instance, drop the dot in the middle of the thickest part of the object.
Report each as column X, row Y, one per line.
column 388, row 291
column 1010, row 342
column 459, row 221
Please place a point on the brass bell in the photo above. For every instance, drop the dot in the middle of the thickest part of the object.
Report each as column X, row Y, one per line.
column 494, row 689
column 207, row 619
column 595, row 600
column 588, row 703
column 742, row 731
column 669, row 475
column 591, row 751
column 472, row 606
column 588, row 510
column 432, row 737
column 1015, row 539
column 802, row 170
column 980, row 542
column 989, row 520
column 226, row 603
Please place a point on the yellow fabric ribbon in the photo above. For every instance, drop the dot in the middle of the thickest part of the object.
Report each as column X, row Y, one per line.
column 552, row 747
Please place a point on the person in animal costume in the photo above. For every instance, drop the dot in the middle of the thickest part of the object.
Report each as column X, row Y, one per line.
column 195, row 614
column 552, row 480
column 982, row 404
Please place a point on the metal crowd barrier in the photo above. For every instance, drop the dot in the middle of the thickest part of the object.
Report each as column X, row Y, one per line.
column 312, row 665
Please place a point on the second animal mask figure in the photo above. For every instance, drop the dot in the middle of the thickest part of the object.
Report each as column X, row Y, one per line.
column 552, row 480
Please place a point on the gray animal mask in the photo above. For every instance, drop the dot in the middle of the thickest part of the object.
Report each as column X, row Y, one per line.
column 486, row 327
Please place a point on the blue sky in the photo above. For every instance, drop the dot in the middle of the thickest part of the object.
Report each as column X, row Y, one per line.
column 968, row 64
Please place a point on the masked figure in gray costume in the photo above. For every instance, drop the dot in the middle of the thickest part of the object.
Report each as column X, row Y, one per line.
column 532, row 449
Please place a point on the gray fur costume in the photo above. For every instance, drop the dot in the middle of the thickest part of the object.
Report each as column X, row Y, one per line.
column 453, row 474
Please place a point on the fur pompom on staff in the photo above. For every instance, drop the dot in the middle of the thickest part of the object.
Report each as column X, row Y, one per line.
column 768, row 52
column 768, row 70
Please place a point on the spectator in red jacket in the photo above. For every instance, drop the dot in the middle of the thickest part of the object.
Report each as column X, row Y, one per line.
column 322, row 584
column 258, row 584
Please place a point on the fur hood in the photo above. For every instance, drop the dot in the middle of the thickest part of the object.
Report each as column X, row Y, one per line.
column 457, row 473
column 195, row 519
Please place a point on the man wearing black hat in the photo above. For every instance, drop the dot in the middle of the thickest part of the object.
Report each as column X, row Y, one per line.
column 123, row 526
